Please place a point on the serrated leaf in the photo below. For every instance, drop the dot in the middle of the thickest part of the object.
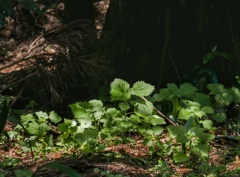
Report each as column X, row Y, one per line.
column 124, row 106
column 63, row 168
column 202, row 99
column 44, row 126
column 156, row 120
column 54, row 117
column 236, row 94
column 207, row 109
column 141, row 89
column 180, row 132
column 162, row 95
column 157, row 130
column 224, row 98
column 41, row 114
column 120, row 90
column 180, row 157
column 187, row 90
column 144, row 108
column 27, row 118
column 215, row 88
column 219, row 117
column 200, row 114
column 201, row 149
column 185, row 114
column 173, row 88
column 207, row 124
column 97, row 105
column 205, row 137
column 77, row 110
column 135, row 119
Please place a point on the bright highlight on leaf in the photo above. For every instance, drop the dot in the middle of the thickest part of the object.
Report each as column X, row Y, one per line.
column 120, row 90
column 141, row 89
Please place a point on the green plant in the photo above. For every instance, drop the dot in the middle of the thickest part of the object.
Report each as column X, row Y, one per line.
column 204, row 74
column 191, row 109
column 93, row 121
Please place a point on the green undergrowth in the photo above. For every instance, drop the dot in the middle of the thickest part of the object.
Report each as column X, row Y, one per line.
column 187, row 117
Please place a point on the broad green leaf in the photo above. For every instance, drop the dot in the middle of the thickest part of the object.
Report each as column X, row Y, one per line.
column 207, row 124
column 200, row 114
column 120, row 90
column 219, row 117
column 180, row 132
column 24, row 173
column 180, row 157
column 156, row 120
column 54, row 117
column 101, row 147
column 149, row 131
column 33, row 128
column 215, row 88
column 201, row 149
column 86, row 123
column 207, row 109
column 185, row 114
column 27, row 118
column 157, row 130
column 124, row 106
column 205, row 137
column 41, row 114
column 1, row 173
column 141, row 89
column 177, row 130
column 187, row 90
column 80, row 129
column 135, row 119
column 224, row 98
column 193, row 106
column 149, row 143
column 97, row 115
column 62, row 127
column 144, row 108
column 236, row 94
column 173, row 88
column 162, row 95
column 69, row 122
column 44, row 126
column 97, row 105
column 63, row 168
column 202, row 99
column 77, row 110
column 91, row 133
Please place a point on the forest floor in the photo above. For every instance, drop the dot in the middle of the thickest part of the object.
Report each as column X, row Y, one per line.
column 130, row 159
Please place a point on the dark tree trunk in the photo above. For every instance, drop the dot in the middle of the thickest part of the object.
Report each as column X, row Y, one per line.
column 137, row 38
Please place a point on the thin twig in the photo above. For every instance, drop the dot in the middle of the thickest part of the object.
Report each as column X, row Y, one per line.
column 161, row 114
column 174, row 65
